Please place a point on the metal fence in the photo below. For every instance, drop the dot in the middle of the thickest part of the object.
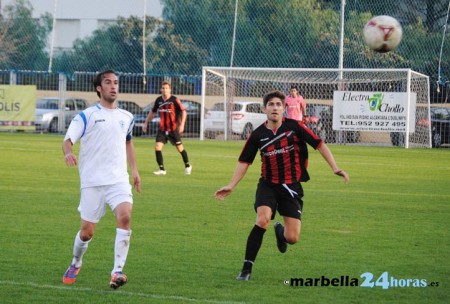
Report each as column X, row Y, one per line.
column 134, row 88
column 242, row 33
column 246, row 33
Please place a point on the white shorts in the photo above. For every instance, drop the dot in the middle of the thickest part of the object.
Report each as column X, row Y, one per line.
column 94, row 200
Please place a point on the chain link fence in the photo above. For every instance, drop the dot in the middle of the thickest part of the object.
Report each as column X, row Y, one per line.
column 239, row 33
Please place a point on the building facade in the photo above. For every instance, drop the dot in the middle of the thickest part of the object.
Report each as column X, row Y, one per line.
column 78, row 19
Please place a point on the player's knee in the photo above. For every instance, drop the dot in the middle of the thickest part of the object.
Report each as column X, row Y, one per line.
column 263, row 222
column 123, row 220
column 292, row 238
column 86, row 235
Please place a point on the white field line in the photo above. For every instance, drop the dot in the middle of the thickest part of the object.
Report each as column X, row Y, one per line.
column 121, row 292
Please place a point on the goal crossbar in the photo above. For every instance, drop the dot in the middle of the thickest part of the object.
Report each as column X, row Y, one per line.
column 405, row 87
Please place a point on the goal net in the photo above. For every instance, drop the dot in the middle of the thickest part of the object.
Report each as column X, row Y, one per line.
column 381, row 107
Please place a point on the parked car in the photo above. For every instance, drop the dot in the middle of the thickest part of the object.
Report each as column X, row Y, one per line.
column 139, row 120
column 130, row 106
column 397, row 138
column 245, row 116
column 440, row 128
column 192, row 125
column 47, row 114
column 320, row 121
column 194, row 116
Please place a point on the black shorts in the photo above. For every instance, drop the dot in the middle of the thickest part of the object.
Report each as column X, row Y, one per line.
column 287, row 199
column 173, row 136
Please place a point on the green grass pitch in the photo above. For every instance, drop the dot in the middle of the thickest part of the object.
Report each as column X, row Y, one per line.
column 187, row 247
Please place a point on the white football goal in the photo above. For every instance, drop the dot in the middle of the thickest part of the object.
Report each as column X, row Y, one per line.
column 381, row 107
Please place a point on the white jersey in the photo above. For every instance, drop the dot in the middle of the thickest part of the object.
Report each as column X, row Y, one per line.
column 103, row 134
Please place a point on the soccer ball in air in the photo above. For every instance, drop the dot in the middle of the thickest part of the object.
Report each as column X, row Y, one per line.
column 383, row 33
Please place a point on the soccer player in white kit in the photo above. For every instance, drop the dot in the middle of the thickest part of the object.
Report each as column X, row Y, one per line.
column 104, row 132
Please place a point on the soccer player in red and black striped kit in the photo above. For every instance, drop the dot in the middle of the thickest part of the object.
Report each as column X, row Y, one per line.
column 172, row 120
column 284, row 156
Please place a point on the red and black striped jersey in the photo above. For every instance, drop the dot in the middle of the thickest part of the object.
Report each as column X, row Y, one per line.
column 170, row 111
column 284, row 153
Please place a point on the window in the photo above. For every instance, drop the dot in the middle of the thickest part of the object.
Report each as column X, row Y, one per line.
column 254, row 108
column 53, row 104
column 70, row 105
column 217, row 107
column 81, row 104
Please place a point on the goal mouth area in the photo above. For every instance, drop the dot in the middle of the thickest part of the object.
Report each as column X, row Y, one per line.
column 318, row 86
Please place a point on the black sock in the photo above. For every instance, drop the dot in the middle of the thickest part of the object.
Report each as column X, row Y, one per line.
column 159, row 159
column 185, row 158
column 254, row 242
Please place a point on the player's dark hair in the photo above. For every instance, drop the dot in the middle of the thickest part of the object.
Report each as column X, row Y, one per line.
column 99, row 78
column 271, row 95
column 294, row 87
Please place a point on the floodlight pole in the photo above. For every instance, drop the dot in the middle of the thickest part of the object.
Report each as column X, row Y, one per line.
column 62, row 89
column 341, row 57
column 408, row 108
column 234, row 32
column 233, row 42
column 144, row 48
column 50, row 63
column 440, row 80
column 341, row 38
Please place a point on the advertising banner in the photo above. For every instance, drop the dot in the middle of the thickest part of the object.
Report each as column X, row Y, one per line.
column 17, row 107
column 373, row 111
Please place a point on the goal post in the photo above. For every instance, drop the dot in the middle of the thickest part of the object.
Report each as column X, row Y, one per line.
column 380, row 107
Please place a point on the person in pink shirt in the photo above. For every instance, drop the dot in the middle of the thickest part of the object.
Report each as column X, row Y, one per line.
column 295, row 105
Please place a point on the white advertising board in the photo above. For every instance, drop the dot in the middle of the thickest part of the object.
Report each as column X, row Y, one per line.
column 373, row 111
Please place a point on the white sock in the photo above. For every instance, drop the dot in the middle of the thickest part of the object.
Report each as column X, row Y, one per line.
column 79, row 248
column 121, row 247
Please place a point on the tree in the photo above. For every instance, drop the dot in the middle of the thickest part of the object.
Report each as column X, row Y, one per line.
column 269, row 33
column 8, row 46
column 23, row 40
column 208, row 24
column 274, row 36
column 173, row 54
column 418, row 50
column 433, row 12
column 119, row 46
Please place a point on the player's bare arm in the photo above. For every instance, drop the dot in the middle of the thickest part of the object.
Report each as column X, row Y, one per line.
column 328, row 156
column 183, row 121
column 239, row 173
column 69, row 157
column 131, row 156
column 147, row 120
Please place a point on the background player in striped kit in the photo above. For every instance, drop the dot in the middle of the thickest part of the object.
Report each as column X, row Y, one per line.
column 172, row 120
